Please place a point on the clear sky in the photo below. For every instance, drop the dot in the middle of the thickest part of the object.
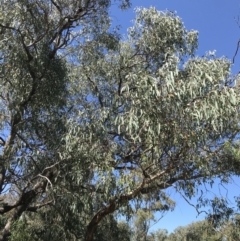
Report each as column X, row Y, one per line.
column 216, row 21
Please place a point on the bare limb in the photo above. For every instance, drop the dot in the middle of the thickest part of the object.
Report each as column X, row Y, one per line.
column 238, row 43
column 46, row 179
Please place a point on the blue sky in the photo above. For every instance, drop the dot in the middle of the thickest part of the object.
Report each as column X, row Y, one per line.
column 216, row 21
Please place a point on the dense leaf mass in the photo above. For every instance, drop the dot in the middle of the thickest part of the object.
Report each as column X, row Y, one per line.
column 94, row 124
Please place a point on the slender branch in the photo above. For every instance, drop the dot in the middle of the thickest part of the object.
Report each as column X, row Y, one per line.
column 46, row 179
column 189, row 203
column 120, row 83
column 27, row 144
column 97, row 90
column 57, row 6
column 3, row 141
column 238, row 43
column 124, row 168
column 38, row 206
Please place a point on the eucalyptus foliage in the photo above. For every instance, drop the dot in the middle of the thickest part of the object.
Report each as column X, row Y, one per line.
column 94, row 124
column 201, row 230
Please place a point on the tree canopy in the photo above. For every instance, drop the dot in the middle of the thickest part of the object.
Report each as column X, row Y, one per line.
column 94, row 124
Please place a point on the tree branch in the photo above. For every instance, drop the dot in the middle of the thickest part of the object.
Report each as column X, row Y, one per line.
column 38, row 206
column 238, row 43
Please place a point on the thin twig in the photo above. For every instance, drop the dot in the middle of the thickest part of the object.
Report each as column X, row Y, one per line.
column 236, row 51
column 45, row 178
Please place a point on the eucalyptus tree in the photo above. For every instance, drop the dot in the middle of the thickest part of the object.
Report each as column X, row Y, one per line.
column 34, row 35
column 161, row 235
column 199, row 231
column 92, row 124
column 148, row 115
